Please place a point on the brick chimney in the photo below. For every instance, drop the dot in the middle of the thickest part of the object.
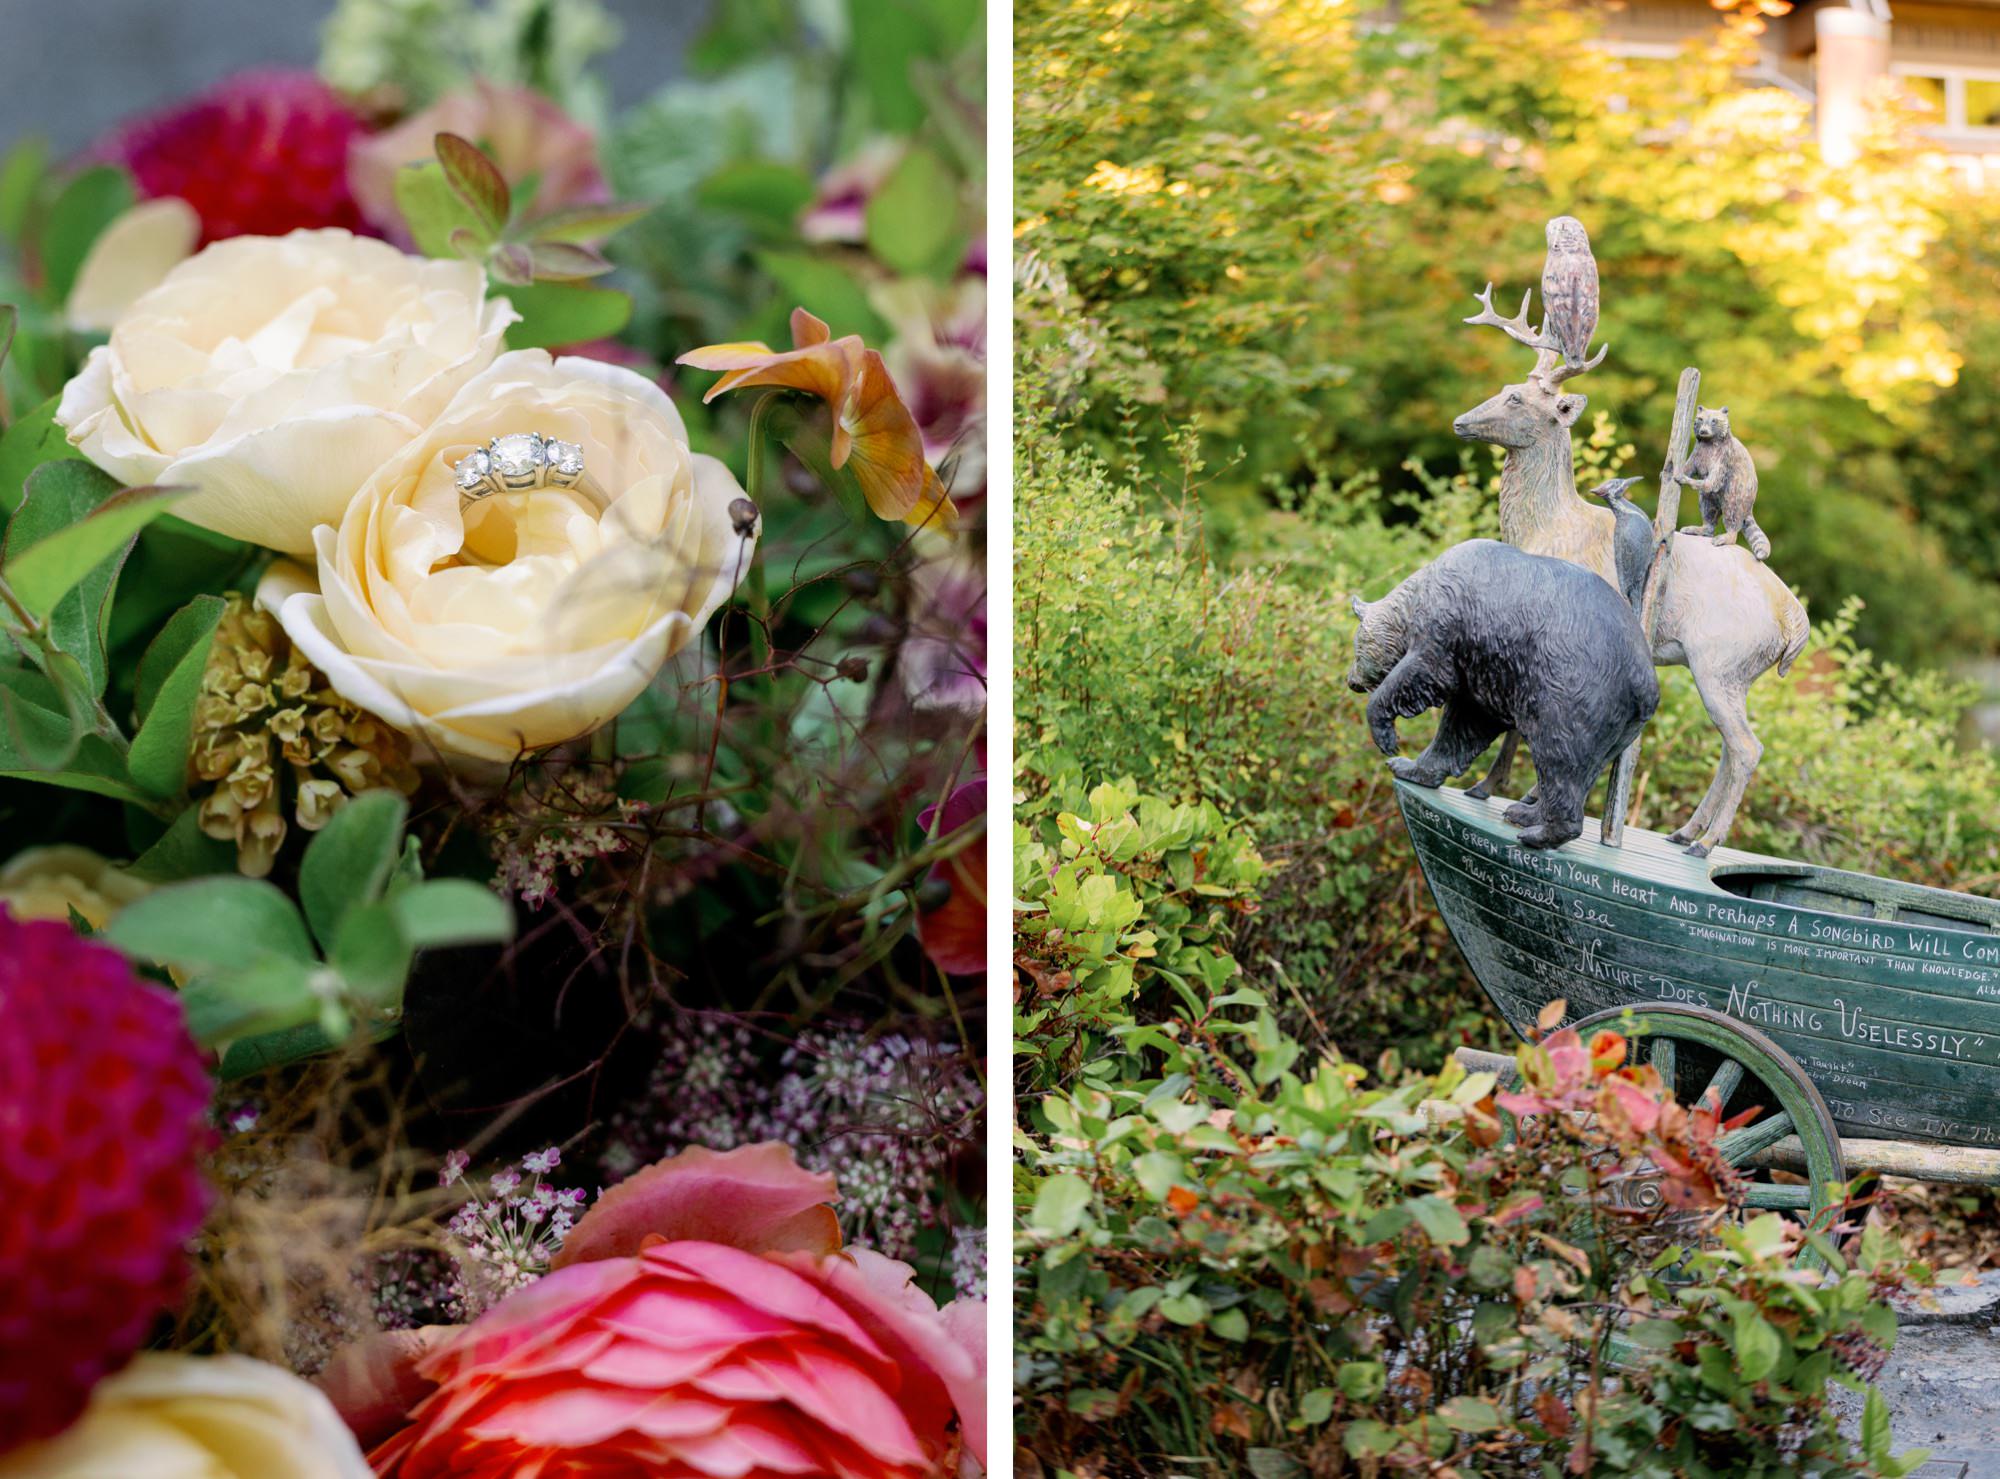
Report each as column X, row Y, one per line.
column 1853, row 55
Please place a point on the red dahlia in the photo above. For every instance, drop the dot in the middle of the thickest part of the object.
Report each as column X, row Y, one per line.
column 103, row 1100
column 260, row 154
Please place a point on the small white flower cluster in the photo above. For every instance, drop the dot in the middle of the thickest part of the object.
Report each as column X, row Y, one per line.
column 509, row 1235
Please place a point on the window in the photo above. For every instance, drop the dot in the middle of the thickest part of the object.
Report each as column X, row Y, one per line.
column 1982, row 102
column 1928, row 90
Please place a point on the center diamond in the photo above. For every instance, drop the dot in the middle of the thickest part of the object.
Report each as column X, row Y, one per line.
column 519, row 454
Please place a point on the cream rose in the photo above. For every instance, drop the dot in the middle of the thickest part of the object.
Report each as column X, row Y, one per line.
column 525, row 618
column 198, row 1417
column 48, row 882
column 273, row 374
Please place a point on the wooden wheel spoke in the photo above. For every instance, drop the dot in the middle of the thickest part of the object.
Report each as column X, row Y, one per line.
column 1739, row 1145
column 1664, row 1059
column 1728, row 1074
column 1770, row 1196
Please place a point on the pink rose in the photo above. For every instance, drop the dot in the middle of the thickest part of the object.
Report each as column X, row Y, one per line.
column 702, row 1323
column 523, row 132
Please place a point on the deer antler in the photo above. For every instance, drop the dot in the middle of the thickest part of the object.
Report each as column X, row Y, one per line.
column 1550, row 367
column 1515, row 328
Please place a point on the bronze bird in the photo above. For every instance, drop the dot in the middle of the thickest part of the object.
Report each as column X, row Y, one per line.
column 1569, row 290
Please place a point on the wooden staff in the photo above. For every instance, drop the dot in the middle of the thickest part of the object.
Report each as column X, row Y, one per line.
column 1665, row 519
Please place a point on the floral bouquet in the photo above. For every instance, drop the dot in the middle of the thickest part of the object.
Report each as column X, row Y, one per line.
column 491, row 759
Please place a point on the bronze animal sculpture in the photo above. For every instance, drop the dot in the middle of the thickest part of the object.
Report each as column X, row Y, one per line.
column 1632, row 541
column 1722, row 614
column 1569, row 290
column 1720, row 470
column 1507, row 640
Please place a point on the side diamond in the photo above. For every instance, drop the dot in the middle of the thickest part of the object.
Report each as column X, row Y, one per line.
column 472, row 469
column 565, row 457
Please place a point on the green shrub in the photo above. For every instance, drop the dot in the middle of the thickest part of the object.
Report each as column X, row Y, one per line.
column 1140, row 655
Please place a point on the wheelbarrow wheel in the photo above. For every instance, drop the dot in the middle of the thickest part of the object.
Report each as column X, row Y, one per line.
column 1709, row 1058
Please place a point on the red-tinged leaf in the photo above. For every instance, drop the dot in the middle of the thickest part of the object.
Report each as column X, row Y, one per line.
column 1182, row 1201
column 1739, row 1120
column 1607, row 1051
column 1551, row 1015
column 468, row 244
column 1515, row 1210
column 559, row 261
column 476, row 180
column 1526, row 1284
column 585, row 223
column 511, row 264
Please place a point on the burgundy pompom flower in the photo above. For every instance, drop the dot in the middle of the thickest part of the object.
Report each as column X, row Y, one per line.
column 103, row 1098
column 260, row 154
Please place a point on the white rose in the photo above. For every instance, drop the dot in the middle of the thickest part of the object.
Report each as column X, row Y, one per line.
column 197, row 1417
column 273, row 374
column 527, row 618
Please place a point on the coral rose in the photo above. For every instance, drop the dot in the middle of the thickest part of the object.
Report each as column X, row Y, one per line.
column 198, row 1417
column 524, row 618
column 729, row 1338
column 274, row 374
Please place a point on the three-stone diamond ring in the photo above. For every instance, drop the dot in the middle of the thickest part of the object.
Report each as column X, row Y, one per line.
column 517, row 463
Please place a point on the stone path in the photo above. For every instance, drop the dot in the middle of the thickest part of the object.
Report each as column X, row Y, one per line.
column 1943, row 1382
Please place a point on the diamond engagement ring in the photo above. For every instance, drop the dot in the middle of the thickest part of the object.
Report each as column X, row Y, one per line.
column 517, row 463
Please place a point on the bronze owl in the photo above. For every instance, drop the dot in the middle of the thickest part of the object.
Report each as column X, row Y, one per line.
column 1569, row 290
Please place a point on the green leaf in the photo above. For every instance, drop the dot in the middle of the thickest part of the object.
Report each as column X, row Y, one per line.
column 1876, row 1435
column 554, row 314
column 184, row 851
column 913, row 220
column 1272, row 1463
column 347, row 864
column 1231, row 1324
column 266, row 995
column 1184, row 1309
column 169, row 684
column 1759, row 1347
column 477, row 181
column 96, row 767
column 1316, row 1406
column 84, row 207
column 433, row 210
column 46, row 570
column 1158, row 1172
column 1368, row 1438
column 825, row 289
column 1439, row 1219
column 212, row 924
column 21, row 175
column 32, row 440
column 8, row 318
column 1060, row 1205
column 275, row 1049
column 889, row 36
column 562, row 261
column 1469, row 1415
column 769, row 194
column 1363, row 1381
column 371, row 952
column 40, row 725
column 585, row 223
column 452, row 911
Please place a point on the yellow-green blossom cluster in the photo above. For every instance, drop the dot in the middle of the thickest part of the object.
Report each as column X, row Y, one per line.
column 272, row 741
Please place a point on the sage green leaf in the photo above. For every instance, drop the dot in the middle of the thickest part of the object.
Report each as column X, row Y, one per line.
column 372, row 953
column 913, row 221
column 1060, row 1204
column 1758, row 1346
column 1469, row 1415
column 562, row 261
column 96, row 767
column 1875, row 1428
column 452, row 911
column 188, row 630
column 8, row 318
column 477, row 181
column 558, row 313
column 45, row 570
column 39, row 729
column 158, row 762
column 32, row 440
column 275, row 1049
column 184, row 851
column 266, row 995
column 172, row 563
column 81, row 210
column 212, row 924
column 347, row 864
column 1439, row 1219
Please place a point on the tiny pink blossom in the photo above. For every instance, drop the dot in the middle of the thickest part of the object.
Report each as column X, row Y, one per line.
column 455, row 1163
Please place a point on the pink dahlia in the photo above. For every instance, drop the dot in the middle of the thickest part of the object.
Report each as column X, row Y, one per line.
column 260, row 154
column 102, row 1123
column 705, row 1325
